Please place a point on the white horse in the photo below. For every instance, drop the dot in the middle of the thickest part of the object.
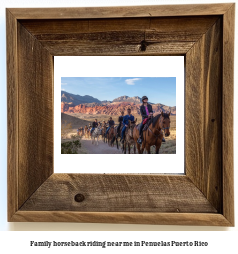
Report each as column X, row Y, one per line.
column 96, row 133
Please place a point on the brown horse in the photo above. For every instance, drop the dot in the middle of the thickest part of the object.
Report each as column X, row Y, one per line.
column 81, row 132
column 129, row 139
column 89, row 132
column 86, row 131
column 117, row 135
column 114, row 136
column 104, row 128
column 154, row 134
column 111, row 136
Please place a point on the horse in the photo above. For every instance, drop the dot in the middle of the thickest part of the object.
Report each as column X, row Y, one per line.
column 86, row 131
column 89, row 132
column 111, row 136
column 95, row 135
column 116, row 136
column 81, row 132
column 129, row 138
column 101, row 128
column 104, row 128
column 154, row 134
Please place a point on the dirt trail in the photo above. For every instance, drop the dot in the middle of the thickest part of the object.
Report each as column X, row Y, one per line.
column 101, row 148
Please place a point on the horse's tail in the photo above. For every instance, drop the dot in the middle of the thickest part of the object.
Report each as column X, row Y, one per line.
column 113, row 139
column 117, row 144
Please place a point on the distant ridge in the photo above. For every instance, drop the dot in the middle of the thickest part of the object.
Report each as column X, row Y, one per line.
column 77, row 99
column 71, row 103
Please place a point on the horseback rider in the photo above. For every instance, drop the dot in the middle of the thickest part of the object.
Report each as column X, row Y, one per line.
column 85, row 129
column 95, row 125
column 125, row 122
column 120, row 120
column 146, row 113
column 104, row 123
column 111, row 123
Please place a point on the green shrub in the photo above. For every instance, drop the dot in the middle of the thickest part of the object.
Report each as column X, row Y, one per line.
column 70, row 147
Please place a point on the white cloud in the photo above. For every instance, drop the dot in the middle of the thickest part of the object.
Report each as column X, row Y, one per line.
column 63, row 84
column 132, row 81
column 62, row 89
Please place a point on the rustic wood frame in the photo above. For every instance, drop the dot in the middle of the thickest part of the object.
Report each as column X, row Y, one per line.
column 204, row 34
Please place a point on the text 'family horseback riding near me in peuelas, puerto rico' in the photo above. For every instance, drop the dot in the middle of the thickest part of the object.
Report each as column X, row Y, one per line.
column 98, row 118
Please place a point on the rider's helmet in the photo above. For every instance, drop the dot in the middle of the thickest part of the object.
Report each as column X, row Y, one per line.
column 144, row 97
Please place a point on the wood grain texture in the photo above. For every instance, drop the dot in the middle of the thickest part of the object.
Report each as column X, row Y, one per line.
column 12, row 114
column 192, row 219
column 203, row 120
column 114, row 193
column 72, row 48
column 227, row 113
column 119, row 36
column 178, row 25
column 121, row 11
column 204, row 196
column 36, row 114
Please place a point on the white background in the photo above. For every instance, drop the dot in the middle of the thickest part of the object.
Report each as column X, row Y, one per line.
column 119, row 66
column 220, row 242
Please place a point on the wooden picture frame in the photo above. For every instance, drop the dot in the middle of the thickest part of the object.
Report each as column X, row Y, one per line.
column 204, row 34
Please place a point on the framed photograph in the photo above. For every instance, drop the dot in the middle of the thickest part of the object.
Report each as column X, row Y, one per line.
column 81, row 104
column 121, row 58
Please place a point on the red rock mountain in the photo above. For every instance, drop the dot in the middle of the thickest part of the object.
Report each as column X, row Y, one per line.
column 71, row 103
column 112, row 108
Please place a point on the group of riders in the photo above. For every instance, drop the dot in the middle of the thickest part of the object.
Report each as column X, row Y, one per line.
column 146, row 113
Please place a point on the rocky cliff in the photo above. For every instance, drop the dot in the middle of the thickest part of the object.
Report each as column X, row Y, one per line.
column 71, row 103
column 125, row 98
column 113, row 108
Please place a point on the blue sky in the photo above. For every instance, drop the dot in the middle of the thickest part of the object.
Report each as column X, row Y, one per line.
column 158, row 90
